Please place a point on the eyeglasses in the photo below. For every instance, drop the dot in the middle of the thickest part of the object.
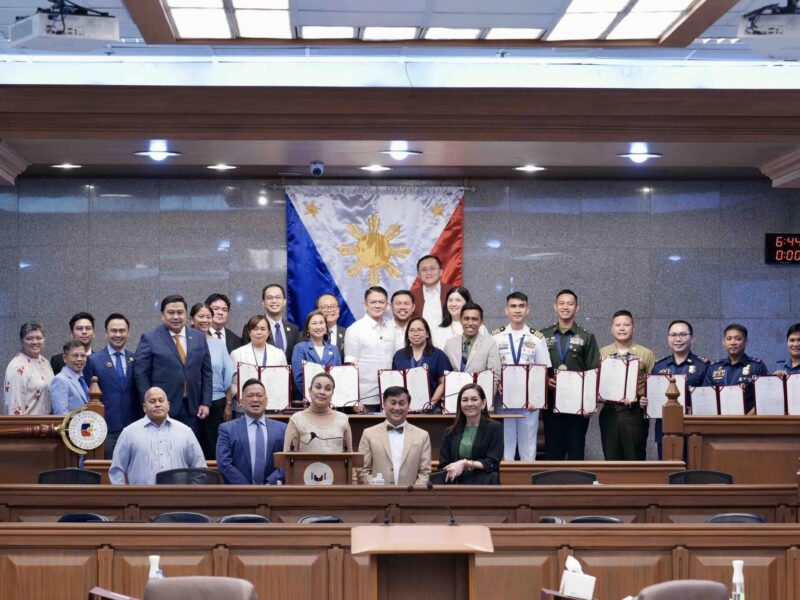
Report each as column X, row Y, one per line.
column 682, row 334
column 328, row 307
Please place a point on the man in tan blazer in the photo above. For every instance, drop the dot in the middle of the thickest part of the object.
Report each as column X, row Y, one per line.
column 398, row 450
column 473, row 351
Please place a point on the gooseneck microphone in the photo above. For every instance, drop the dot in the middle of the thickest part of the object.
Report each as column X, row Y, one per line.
column 447, row 507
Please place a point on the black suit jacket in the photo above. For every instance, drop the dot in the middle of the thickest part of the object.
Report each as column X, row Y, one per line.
column 290, row 331
column 339, row 341
column 232, row 341
column 487, row 450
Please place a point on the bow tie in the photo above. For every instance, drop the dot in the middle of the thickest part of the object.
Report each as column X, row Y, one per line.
column 398, row 429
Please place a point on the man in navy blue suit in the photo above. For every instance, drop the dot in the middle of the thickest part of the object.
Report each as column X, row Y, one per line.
column 176, row 359
column 245, row 446
column 113, row 367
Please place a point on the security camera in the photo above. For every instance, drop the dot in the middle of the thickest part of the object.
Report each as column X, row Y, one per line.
column 317, row 169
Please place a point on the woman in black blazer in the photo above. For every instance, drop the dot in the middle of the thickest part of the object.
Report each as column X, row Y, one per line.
column 473, row 446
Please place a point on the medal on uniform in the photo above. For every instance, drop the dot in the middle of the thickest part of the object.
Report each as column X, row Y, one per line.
column 719, row 373
column 692, row 369
column 746, row 370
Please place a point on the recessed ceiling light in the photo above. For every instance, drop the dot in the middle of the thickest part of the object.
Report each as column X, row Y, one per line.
column 662, row 5
column 158, row 150
column 262, row 200
column 221, row 167
column 511, row 33
column 398, row 150
column 308, row 32
column 388, row 34
column 201, row 23
column 265, row 4
column 66, row 166
column 596, row 6
column 450, row 33
column 581, row 26
column 529, row 168
column 194, row 3
column 640, row 157
column 375, row 168
column 273, row 24
column 643, row 25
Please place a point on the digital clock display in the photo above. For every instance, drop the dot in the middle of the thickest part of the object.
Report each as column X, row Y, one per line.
column 782, row 248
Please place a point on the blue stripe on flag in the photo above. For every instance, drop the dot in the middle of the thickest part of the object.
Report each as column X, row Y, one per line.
column 307, row 275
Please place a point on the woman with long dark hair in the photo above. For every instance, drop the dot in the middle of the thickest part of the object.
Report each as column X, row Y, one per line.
column 450, row 326
column 418, row 351
column 472, row 447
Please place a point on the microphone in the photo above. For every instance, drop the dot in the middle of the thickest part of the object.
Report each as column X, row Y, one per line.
column 447, row 507
column 312, row 435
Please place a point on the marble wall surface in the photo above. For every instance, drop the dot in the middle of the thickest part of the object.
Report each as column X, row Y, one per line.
column 661, row 249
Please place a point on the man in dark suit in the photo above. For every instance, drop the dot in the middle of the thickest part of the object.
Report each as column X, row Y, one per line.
column 177, row 360
column 113, row 367
column 328, row 305
column 81, row 327
column 283, row 334
column 220, row 306
column 245, row 446
column 429, row 297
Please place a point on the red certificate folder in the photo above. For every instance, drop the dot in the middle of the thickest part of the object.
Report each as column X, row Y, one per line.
column 346, row 392
column 576, row 392
column 277, row 381
column 618, row 379
column 770, row 395
column 415, row 380
column 455, row 380
column 524, row 386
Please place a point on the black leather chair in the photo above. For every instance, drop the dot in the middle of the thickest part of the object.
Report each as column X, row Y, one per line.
column 182, row 517
column 189, row 476
column 687, row 589
column 735, row 518
column 700, row 477
column 243, row 519
column 551, row 520
column 82, row 518
column 564, row 477
column 71, row 476
column 319, row 519
column 596, row 519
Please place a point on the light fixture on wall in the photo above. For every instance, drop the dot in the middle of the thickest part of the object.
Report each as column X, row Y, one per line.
column 158, row 151
column 639, row 153
column 529, row 168
column 66, row 166
column 221, row 167
column 399, row 150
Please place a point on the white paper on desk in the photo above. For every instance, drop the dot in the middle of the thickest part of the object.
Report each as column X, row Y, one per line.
column 346, row 392
column 310, row 370
column 618, row 379
column 770, row 400
column 485, row 379
column 731, row 400
column 537, row 386
column 388, row 378
column 515, row 386
column 704, row 401
column 590, row 391
column 569, row 392
column 419, row 387
column 244, row 371
column 657, row 393
column 453, row 382
column 276, row 382
column 793, row 394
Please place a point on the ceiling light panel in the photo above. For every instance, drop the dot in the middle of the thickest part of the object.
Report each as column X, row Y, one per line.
column 272, row 24
column 201, row 23
column 313, row 32
column 389, row 33
column 194, row 3
column 448, row 33
column 662, row 5
column 263, row 4
column 597, row 6
column 581, row 26
column 511, row 33
column 643, row 25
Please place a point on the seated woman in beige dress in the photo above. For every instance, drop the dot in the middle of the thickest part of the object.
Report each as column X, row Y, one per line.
column 319, row 428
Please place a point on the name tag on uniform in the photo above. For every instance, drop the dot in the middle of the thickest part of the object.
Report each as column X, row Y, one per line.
column 718, row 374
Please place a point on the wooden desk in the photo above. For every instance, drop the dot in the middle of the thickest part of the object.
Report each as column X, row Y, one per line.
column 23, row 458
column 39, row 562
column 754, row 449
column 371, row 504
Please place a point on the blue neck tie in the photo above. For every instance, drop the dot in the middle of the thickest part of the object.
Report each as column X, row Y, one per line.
column 279, row 337
column 464, row 354
column 120, row 370
column 85, row 387
column 260, row 462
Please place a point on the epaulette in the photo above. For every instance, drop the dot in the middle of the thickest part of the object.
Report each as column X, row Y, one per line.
column 664, row 358
column 704, row 359
column 536, row 333
column 498, row 330
column 758, row 360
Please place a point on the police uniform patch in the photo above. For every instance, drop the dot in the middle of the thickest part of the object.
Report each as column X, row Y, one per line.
column 692, row 369
column 746, row 370
column 718, row 373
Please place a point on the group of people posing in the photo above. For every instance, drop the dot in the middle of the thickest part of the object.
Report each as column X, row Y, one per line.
column 188, row 375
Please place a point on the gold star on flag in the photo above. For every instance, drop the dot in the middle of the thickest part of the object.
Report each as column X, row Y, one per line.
column 437, row 210
column 311, row 209
column 373, row 250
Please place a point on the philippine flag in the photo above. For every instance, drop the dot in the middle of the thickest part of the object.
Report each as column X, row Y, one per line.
column 342, row 239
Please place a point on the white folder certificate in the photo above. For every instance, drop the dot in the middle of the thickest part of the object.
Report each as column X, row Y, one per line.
column 657, row 393
column 618, row 379
column 793, row 394
column 346, row 392
column 576, row 392
column 310, row 370
column 704, row 401
column 731, row 400
column 769, row 394
column 455, row 380
column 276, row 379
column 524, row 386
column 414, row 379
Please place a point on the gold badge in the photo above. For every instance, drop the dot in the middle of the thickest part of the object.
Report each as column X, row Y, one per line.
column 719, row 373
column 746, row 370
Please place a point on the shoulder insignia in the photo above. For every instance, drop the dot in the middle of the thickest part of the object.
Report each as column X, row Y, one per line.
column 536, row 333
column 758, row 360
column 704, row 359
column 498, row 330
column 663, row 358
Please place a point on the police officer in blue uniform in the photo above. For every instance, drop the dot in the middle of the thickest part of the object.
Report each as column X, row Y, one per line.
column 682, row 361
column 737, row 367
column 792, row 364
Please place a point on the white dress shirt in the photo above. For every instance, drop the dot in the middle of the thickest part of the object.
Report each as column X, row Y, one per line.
column 221, row 335
column 432, row 309
column 396, row 441
column 399, row 336
column 369, row 344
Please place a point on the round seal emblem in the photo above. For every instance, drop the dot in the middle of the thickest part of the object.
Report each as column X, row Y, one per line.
column 318, row 473
column 87, row 430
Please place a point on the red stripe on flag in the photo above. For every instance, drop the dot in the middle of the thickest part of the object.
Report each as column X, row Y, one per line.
column 449, row 248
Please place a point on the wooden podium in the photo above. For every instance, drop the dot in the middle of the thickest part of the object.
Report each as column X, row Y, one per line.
column 319, row 468
column 421, row 561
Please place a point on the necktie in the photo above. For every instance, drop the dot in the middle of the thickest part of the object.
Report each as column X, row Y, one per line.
column 179, row 346
column 260, row 461
column 398, row 429
column 279, row 337
column 85, row 387
column 120, row 370
column 464, row 354
column 219, row 335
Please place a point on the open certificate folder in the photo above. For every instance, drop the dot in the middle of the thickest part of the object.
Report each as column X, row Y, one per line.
column 524, row 386
column 618, row 378
column 704, row 401
column 415, row 380
column 715, row 400
column 731, row 400
column 277, row 381
column 770, row 395
column 793, row 394
column 657, row 393
column 346, row 391
column 455, row 380
column 576, row 392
